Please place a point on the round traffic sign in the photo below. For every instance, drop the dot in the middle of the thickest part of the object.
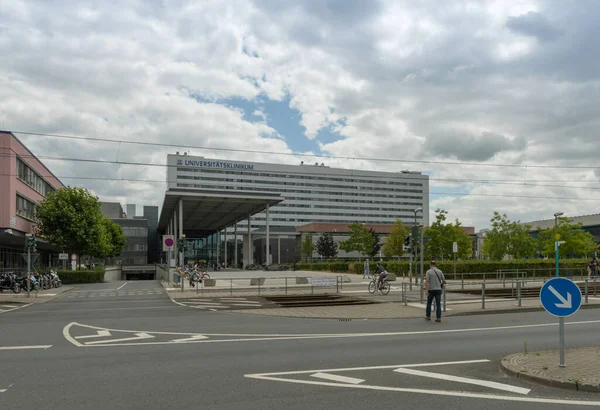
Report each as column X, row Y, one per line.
column 169, row 242
column 560, row 297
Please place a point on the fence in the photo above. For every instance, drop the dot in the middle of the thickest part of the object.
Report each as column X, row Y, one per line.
column 262, row 286
column 497, row 290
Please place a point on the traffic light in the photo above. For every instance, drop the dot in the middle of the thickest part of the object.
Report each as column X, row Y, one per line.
column 407, row 241
column 31, row 244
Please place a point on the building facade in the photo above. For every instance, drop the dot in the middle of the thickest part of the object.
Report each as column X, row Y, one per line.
column 140, row 232
column 24, row 182
column 313, row 193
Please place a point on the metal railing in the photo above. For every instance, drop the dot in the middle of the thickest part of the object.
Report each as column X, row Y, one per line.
column 261, row 286
column 492, row 290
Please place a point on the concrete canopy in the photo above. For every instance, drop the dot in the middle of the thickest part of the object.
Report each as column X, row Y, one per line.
column 208, row 211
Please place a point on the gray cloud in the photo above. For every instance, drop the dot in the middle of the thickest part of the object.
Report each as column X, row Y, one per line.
column 469, row 147
column 535, row 25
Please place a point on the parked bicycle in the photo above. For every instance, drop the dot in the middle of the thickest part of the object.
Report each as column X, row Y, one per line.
column 384, row 286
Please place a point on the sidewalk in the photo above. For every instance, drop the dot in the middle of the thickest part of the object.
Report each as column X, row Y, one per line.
column 581, row 371
column 40, row 296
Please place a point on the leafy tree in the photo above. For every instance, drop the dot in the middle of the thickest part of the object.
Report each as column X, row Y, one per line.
column 117, row 238
column 508, row 238
column 394, row 244
column 70, row 219
column 308, row 247
column 360, row 240
column 376, row 243
column 577, row 241
column 440, row 237
column 326, row 246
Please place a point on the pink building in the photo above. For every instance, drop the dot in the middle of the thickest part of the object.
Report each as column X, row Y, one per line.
column 24, row 182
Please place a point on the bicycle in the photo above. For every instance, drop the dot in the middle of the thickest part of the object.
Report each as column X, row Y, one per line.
column 384, row 287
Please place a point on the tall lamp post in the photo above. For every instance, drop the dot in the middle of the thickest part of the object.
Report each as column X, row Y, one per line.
column 412, row 244
column 556, row 215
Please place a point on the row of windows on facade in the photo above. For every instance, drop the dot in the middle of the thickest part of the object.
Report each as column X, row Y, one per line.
column 390, row 220
column 135, row 231
column 375, row 187
column 136, row 247
column 353, row 208
column 328, row 187
column 334, row 213
column 253, row 189
column 26, row 174
column 25, row 208
column 301, row 176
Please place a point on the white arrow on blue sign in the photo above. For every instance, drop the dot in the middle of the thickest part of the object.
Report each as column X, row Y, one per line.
column 560, row 297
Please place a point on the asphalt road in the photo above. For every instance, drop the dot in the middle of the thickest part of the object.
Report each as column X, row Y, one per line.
column 127, row 346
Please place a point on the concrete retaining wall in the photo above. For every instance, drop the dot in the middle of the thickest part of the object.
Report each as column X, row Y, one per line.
column 112, row 274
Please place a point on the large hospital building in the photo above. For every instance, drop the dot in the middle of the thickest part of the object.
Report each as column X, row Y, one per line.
column 312, row 192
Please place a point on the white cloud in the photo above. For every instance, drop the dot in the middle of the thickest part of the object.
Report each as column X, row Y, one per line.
column 519, row 79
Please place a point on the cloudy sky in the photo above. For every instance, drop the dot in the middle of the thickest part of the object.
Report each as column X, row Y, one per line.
column 499, row 99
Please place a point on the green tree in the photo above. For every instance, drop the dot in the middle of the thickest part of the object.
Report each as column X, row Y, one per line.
column 577, row 241
column 71, row 220
column 360, row 240
column 117, row 238
column 326, row 246
column 440, row 237
column 508, row 238
column 308, row 247
column 376, row 243
column 394, row 244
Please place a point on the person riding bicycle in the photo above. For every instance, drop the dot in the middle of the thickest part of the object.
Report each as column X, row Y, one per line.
column 382, row 274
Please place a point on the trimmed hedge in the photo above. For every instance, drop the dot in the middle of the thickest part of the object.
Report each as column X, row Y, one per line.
column 69, row 277
column 541, row 267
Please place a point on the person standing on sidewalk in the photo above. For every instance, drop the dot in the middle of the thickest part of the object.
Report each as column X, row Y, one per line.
column 434, row 282
column 366, row 270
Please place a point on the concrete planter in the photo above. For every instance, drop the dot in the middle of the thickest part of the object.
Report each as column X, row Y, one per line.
column 257, row 281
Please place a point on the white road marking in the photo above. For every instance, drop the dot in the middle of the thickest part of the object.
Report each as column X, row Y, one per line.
column 138, row 336
column 336, row 378
column 476, row 382
column 418, row 305
column 190, row 339
column 9, row 306
column 430, row 392
column 101, row 333
column 121, row 287
column 14, row 308
column 25, row 347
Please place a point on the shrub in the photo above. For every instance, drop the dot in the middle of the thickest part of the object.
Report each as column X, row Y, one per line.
column 69, row 277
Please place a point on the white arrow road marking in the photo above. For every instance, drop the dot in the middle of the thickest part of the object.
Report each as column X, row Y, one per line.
column 242, row 337
column 138, row 336
column 336, row 378
column 190, row 339
column 434, row 392
column 101, row 333
column 3, row 390
column 25, row 347
column 439, row 376
column 565, row 303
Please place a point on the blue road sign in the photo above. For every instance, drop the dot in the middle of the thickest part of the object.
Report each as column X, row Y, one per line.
column 560, row 297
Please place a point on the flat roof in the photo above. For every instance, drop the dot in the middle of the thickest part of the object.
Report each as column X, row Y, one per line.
column 206, row 211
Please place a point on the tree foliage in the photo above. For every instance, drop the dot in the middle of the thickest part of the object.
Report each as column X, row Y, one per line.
column 308, row 247
column 508, row 238
column 577, row 242
column 326, row 246
column 440, row 237
column 360, row 240
column 376, row 243
column 70, row 219
column 394, row 245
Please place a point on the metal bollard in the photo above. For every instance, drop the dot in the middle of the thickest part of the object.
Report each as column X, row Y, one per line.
column 586, row 291
column 258, row 286
column 483, row 295
column 462, row 282
column 519, row 292
column 230, row 287
column 286, row 285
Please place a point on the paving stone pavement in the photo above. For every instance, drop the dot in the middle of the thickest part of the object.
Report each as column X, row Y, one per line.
column 582, row 371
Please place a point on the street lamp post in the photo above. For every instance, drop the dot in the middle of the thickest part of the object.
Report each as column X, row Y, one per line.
column 416, row 211
column 556, row 215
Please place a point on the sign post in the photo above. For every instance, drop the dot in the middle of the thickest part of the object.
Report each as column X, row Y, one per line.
column 455, row 251
column 561, row 297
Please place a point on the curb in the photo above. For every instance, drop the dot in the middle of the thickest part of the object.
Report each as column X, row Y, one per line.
column 512, row 310
column 504, row 366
